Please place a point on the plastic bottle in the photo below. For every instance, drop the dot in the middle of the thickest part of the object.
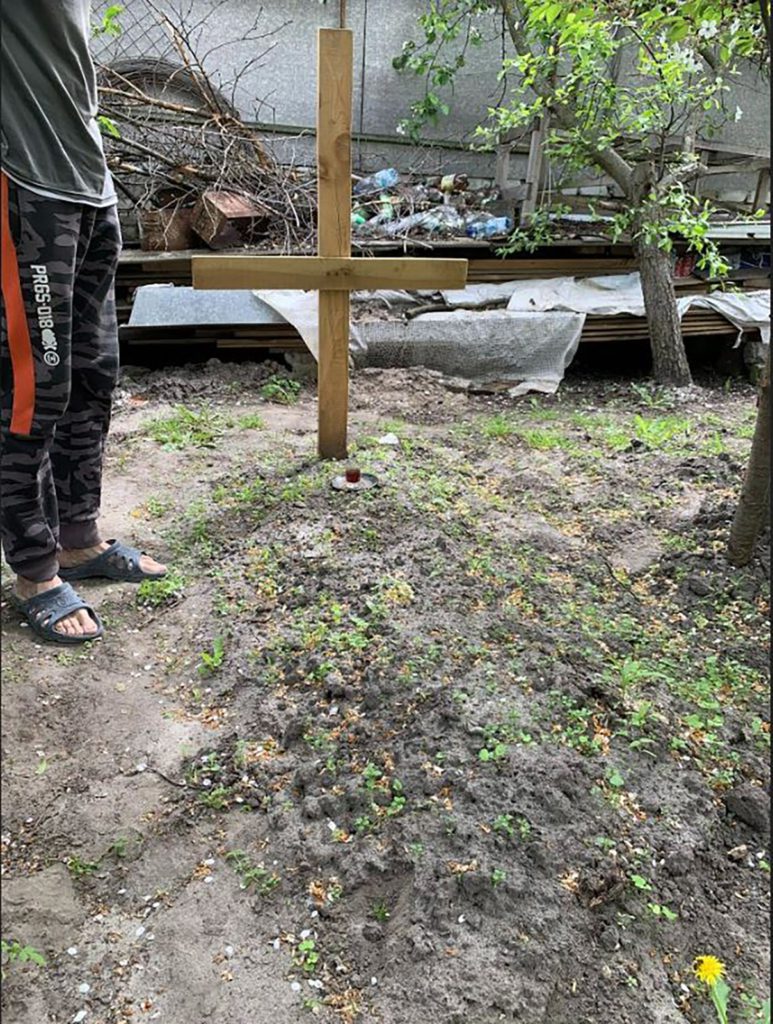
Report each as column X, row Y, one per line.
column 387, row 178
column 485, row 226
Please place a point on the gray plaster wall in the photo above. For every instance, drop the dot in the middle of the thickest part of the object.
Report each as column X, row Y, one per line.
column 280, row 88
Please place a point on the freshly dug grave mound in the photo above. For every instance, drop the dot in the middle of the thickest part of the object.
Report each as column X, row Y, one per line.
column 486, row 743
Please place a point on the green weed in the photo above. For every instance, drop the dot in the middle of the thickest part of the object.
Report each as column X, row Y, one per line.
column 212, row 661
column 282, row 390
column 253, row 876
column 81, row 868
column 498, row 426
column 166, row 591
column 380, row 911
column 186, row 428
column 14, row 953
column 251, row 421
column 659, row 432
column 306, row 955
column 662, row 911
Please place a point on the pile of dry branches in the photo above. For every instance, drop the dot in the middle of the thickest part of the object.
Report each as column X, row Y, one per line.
column 171, row 133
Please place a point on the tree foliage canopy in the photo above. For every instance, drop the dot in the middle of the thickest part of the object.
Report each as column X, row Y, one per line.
column 622, row 82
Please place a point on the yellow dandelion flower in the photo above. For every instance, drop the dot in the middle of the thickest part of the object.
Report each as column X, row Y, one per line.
column 708, row 969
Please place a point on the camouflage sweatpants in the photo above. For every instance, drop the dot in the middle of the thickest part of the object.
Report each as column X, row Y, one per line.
column 58, row 368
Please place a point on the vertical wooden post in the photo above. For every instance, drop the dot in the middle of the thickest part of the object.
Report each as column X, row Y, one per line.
column 334, row 169
column 762, row 192
column 534, row 170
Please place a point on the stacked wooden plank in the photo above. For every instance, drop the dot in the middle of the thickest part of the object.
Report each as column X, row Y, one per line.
column 627, row 328
column 140, row 268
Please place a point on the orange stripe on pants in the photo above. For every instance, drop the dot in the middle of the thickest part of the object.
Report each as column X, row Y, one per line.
column 19, row 344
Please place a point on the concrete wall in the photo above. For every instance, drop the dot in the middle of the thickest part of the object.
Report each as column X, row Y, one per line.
column 280, row 88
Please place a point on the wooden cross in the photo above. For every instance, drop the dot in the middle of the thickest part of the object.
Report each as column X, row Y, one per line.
column 334, row 272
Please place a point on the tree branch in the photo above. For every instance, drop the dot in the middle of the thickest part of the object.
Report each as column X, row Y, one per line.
column 608, row 159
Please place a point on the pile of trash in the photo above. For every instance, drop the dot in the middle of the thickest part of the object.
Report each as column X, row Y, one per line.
column 385, row 206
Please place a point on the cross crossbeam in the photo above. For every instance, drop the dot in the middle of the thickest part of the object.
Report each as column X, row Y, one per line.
column 326, row 273
column 334, row 273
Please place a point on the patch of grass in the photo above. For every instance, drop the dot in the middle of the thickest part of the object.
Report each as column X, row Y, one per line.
column 282, row 390
column 118, row 848
column 157, row 508
column 251, row 421
column 380, row 911
column 81, row 868
column 253, row 877
column 659, row 432
column 166, row 591
column 217, row 799
column 651, row 395
column 543, row 439
column 498, row 426
column 187, row 428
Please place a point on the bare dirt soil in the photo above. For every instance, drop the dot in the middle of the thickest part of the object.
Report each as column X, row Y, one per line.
column 486, row 743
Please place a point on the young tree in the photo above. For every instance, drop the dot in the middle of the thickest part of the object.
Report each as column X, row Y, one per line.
column 754, row 502
column 626, row 87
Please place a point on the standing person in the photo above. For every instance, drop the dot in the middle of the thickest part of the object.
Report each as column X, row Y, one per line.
column 59, row 357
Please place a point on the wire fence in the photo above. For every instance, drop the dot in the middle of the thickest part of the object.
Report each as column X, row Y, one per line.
column 137, row 33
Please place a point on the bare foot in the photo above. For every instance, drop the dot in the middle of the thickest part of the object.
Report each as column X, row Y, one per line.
column 80, row 623
column 70, row 557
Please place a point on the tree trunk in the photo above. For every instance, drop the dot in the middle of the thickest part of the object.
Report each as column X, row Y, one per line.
column 752, row 510
column 669, row 359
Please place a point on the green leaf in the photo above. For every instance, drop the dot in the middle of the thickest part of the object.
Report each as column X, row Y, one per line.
column 614, row 778
column 719, row 995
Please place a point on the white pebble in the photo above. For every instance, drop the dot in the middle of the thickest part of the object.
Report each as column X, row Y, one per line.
column 141, row 767
column 461, row 919
column 277, row 944
column 295, row 986
column 374, row 981
column 229, row 951
column 140, row 932
column 73, row 951
column 84, row 989
column 79, row 1016
column 306, row 933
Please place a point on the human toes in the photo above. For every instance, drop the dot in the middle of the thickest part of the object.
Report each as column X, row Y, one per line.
column 85, row 624
column 148, row 564
column 66, row 626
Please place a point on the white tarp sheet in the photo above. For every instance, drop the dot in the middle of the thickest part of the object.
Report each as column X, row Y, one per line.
column 621, row 293
column 528, row 345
